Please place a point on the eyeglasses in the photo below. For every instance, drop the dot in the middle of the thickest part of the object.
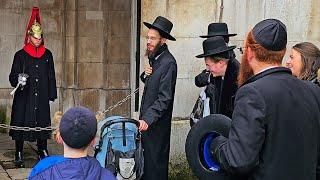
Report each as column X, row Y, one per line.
column 241, row 49
column 151, row 38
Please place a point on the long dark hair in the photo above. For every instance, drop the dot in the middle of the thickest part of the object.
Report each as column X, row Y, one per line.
column 310, row 57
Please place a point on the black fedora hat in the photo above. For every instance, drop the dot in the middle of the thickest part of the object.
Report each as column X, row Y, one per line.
column 163, row 25
column 217, row 29
column 215, row 46
column 196, row 146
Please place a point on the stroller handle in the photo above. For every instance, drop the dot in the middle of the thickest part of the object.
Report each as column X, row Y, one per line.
column 123, row 120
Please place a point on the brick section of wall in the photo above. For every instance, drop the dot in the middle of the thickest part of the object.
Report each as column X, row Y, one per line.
column 114, row 96
column 118, row 54
column 97, row 66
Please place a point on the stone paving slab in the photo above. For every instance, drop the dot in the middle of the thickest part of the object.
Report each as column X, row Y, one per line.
column 21, row 173
column 4, row 176
column 30, row 158
column 5, row 157
column 7, row 168
column 6, row 143
column 2, row 170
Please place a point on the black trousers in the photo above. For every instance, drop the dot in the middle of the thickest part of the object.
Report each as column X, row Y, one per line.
column 41, row 144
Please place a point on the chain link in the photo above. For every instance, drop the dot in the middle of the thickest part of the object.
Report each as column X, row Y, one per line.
column 17, row 128
column 50, row 128
column 120, row 102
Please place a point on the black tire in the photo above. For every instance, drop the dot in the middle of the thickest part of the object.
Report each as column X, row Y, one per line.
column 212, row 123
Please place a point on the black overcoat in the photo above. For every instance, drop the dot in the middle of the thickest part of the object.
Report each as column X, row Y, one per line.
column 30, row 106
column 275, row 129
column 221, row 91
column 156, row 110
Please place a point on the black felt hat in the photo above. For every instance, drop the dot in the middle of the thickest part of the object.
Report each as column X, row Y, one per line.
column 215, row 46
column 271, row 34
column 78, row 127
column 163, row 25
column 217, row 29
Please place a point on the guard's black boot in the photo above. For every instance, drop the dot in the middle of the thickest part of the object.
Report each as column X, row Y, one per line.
column 18, row 159
column 42, row 153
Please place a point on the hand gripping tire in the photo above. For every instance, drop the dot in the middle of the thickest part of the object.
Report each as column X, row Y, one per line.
column 198, row 146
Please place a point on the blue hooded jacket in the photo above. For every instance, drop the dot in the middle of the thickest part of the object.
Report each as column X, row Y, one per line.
column 58, row 168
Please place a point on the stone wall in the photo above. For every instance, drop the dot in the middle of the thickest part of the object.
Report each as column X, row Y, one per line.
column 98, row 57
column 90, row 42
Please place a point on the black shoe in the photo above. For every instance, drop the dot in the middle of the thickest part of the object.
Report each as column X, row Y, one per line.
column 18, row 160
column 42, row 154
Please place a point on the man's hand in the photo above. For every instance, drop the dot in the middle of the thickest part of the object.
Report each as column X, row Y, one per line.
column 148, row 71
column 143, row 125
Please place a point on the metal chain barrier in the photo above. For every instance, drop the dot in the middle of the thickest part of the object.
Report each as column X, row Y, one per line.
column 120, row 102
column 5, row 126
column 50, row 128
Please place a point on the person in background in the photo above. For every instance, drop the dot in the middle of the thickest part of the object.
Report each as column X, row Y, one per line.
column 304, row 61
column 220, row 88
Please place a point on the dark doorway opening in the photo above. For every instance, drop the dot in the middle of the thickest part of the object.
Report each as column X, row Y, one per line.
column 138, row 32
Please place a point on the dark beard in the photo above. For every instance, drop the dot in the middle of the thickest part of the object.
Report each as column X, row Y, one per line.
column 245, row 70
column 150, row 54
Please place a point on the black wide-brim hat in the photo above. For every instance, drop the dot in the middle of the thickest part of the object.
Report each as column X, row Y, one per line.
column 196, row 141
column 218, row 29
column 163, row 25
column 215, row 46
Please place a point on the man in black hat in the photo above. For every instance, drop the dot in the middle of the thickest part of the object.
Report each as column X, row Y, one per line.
column 274, row 132
column 157, row 100
column 221, row 86
column 218, row 29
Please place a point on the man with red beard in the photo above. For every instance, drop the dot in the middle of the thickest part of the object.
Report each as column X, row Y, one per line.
column 274, row 132
column 33, row 74
column 157, row 100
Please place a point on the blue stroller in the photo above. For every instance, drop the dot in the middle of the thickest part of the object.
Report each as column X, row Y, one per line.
column 119, row 148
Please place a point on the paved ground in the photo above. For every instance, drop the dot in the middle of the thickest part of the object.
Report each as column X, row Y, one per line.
column 7, row 168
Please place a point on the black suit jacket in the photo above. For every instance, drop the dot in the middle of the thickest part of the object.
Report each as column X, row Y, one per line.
column 156, row 110
column 221, row 92
column 275, row 129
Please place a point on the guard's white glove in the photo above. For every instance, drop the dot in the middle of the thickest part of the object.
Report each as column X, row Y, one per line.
column 22, row 80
